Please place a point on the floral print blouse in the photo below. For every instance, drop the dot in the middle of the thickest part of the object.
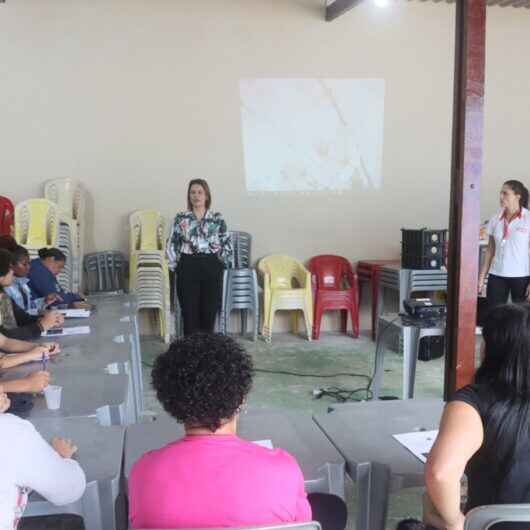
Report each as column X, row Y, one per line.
column 190, row 236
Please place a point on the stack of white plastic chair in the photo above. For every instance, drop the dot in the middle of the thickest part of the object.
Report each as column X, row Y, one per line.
column 37, row 225
column 69, row 195
column 149, row 272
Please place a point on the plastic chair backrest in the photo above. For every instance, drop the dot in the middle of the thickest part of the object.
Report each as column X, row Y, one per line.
column 282, row 270
column 104, row 271
column 329, row 270
column 37, row 223
column 62, row 191
column 7, row 216
column 312, row 525
column 242, row 244
column 484, row 517
column 148, row 230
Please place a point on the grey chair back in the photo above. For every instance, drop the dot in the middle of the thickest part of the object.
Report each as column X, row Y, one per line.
column 242, row 244
column 312, row 525
column 484, row 517
column 104, row 271
column 240, row 292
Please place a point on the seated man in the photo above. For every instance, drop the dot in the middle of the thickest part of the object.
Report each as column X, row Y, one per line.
column 211, row 477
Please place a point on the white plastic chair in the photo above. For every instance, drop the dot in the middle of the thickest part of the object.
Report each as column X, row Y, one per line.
column 485, row 517
column 69, row 196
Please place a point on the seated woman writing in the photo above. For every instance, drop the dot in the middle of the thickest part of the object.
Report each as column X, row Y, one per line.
column 211, row 477
column 485, row 429
column 43, row 282
column 16, row 352
column 14, row 321
column 29, row 463
column 19, row 290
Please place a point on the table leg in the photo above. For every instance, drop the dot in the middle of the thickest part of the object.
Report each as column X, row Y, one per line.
column 373, row 490
column 380, row 306
column 411, row 337
column 107, row 500
column 375, row 300
column 377, row 380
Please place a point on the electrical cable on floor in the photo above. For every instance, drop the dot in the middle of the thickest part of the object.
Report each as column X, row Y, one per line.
column 299, row 374
column 341, row 395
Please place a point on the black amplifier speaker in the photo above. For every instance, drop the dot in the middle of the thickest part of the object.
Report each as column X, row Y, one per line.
column 431, row 348
column 422, row 249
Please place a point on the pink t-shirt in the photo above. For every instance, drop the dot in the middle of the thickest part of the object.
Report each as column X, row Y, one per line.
column 216, row 481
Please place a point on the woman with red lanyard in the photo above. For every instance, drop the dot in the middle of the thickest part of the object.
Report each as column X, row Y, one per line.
column 507, row 256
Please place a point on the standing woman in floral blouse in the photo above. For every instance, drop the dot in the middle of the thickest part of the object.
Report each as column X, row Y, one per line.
column 198, row 247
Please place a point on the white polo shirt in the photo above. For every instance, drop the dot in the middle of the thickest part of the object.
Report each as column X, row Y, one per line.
column 512, row 245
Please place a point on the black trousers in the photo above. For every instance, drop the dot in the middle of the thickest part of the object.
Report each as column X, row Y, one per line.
column 499, row 287
column 329, row 510
column 199, row 283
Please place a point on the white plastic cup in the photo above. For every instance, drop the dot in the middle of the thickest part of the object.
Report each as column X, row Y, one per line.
column 52, row 393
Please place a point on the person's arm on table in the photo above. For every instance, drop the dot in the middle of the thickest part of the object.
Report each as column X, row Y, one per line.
column 32, row 383
column 39, row 352
column 461, row 427
column 50, row 471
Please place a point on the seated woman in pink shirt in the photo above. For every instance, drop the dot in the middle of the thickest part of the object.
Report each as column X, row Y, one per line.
column 211, row 477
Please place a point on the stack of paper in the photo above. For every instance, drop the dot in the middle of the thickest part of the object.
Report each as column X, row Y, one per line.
column 63, row 332
column 75, row 313
column 418, row 443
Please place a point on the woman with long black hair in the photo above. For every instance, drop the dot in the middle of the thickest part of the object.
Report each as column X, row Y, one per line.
column 485, row 429
column 507, row 257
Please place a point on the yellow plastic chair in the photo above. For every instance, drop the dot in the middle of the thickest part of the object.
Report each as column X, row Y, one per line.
column 286, row 285
column 147, row 239
column 37, row 223
column 147, row 230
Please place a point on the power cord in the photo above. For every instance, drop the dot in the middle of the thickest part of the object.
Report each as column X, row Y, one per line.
column 341, row 395
column 299, row 374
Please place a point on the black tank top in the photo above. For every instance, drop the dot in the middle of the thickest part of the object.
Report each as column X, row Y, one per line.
column 483, row 486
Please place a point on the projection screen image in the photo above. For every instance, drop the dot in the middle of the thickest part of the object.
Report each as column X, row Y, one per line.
column 312, row 134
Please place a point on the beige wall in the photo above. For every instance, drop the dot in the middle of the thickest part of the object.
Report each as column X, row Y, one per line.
column 134, row 97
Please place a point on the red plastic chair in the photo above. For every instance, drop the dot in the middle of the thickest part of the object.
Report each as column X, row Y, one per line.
column 329, row 274
column 7, row 217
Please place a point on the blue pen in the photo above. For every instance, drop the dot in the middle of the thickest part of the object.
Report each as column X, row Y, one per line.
column 44, row 359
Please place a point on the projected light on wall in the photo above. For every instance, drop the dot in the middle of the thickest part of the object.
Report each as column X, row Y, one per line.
column 312, row 134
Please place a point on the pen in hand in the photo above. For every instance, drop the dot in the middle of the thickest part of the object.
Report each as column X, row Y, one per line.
column 44, row 360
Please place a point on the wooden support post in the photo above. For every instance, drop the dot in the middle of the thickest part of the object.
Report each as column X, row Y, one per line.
column 466, row 170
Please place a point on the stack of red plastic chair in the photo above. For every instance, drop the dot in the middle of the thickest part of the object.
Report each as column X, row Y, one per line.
column 335, row 286
column 7, row 217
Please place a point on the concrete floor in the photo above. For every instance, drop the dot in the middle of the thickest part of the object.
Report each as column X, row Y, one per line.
column 334, row 352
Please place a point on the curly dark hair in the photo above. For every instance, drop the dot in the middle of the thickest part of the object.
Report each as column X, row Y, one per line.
column 203, row 379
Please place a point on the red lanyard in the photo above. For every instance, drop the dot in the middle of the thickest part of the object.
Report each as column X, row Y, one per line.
column 505, row 231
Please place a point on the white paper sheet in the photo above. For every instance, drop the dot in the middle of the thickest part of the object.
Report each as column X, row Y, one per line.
column 264, row 443
column 418, row 443
column 63, row 332
column 75, row 313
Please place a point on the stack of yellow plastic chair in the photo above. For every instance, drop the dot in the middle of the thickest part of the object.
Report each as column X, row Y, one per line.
column 149, row 272
column 69, row 196
column 286, row 285
column 36, row 225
